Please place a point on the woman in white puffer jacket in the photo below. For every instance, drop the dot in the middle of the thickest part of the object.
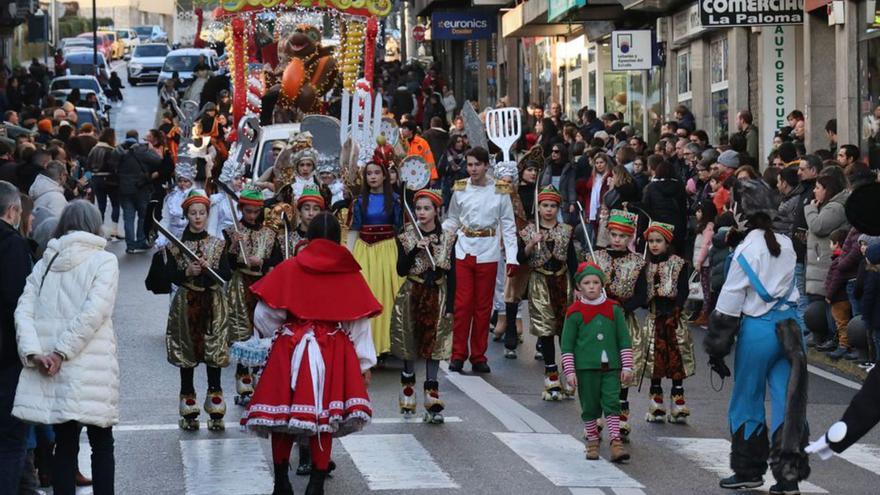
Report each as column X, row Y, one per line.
column 67, row 344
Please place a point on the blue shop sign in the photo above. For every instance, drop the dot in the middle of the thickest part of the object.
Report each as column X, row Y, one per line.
column 462, row 25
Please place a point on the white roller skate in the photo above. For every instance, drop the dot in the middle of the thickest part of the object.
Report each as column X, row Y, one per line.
column 407, row 397
column 433, row 405
column 679, row 411
column 244, row 389
column 215, row 406
column 552, row 386
column 189, row 412
column 656, row 410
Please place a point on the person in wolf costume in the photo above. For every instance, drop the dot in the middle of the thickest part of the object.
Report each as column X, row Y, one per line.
column 756, row 311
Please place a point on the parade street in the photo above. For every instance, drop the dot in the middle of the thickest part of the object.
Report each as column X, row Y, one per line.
column 499, row 436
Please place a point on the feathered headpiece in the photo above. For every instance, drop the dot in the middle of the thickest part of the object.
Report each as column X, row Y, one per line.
column 231, row 167
column 185, row 168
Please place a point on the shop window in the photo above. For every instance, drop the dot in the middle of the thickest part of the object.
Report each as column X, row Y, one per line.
column 684, row 76
column 719, row 86
column 575, row 101
column 591, row 89
column 869, row 99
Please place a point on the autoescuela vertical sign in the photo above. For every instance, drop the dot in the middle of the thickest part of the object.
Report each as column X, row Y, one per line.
column 778, row 74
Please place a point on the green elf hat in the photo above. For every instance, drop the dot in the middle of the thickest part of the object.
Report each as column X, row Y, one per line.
column 589, row 268
column 250, row 197
column 549, row 193
column 664, row 229
column 310, row 195
column 196, row 196
column 622, row 221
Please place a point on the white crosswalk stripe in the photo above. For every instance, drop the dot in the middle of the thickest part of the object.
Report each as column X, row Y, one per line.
column 236, row 464
column 713, row 454
column 395, row 462
column 560, row 458
column 864, row 456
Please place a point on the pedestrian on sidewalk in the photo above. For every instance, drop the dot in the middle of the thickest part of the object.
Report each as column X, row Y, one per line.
column 597, row 358
column 68, row 346
column 15, row 264
column 105, row 181
column 136, row 166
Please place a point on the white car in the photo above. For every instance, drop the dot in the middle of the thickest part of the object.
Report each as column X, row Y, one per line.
column 146, row 62
column 129, row 38
column 60, row 87
column 184, row 61
column 275, row 135
column 151, row 34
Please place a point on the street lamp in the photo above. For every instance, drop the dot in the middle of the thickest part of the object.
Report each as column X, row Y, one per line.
column 95, row 37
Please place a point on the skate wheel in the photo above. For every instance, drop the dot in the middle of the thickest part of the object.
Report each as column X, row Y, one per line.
column 216, row 425
column 237, row 400
column 188, row 424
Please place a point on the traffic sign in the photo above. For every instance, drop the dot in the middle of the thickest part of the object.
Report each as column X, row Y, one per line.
column 418, row 33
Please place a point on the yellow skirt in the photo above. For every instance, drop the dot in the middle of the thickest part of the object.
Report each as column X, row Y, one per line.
column 379, row 267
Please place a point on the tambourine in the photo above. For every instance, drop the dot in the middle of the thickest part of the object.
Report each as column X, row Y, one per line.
column 415, row 172
column 390, row 129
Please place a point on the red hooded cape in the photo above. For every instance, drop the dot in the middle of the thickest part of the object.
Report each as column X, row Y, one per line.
column 323, row 282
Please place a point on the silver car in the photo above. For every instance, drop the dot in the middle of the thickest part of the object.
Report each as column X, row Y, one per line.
column 146, row 62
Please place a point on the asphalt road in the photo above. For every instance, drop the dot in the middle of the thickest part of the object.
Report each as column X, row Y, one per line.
column 500, row 436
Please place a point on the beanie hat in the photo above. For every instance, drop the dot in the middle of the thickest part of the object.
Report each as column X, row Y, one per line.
column 869, row 239
column 250, row 197
column 589, row 268
column 549, row 193
column 664, row 229
column 196, row 196
column 310, row 195
column 433, row 195
column 622, row 221
column 45, row 125
column 729, row 159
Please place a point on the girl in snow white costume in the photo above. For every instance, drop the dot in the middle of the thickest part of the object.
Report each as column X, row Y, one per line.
column 315, row 381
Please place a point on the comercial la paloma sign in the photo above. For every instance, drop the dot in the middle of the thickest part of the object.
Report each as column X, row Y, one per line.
column 751, row 12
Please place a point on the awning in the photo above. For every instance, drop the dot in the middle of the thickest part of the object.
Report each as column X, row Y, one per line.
column 531, row 19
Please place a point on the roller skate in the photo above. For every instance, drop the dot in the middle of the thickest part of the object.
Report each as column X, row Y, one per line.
column 433, row 405
column 552, row 386
column 679, row 411
column 244, row 388
column 407, row 397
column 215, row 406
column 656, row 410
column 189, row 412
column 624, row 421
column 304, row 468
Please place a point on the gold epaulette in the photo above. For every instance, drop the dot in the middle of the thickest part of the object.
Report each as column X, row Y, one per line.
column 460, row 185
column 503, row 187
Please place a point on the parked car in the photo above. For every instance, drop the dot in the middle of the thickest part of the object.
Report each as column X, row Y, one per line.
column 270, row 135
column 104, row 44
column 151, row 34
column 129, row 39
column 117, row 47
column 81, row 63
column 183, row 61
column 146, row 62
column 60, row 87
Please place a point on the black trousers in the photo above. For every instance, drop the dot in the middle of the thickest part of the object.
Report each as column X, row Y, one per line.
column 67, row 450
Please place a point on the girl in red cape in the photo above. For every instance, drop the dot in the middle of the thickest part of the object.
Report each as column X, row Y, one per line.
column 315, row 381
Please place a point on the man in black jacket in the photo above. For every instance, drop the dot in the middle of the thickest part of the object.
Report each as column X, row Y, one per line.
column 136, row 165
column 808, row 171
column 15, row 264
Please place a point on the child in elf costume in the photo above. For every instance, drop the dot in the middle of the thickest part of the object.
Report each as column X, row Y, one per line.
column 624, row 283
column 550, row 256
column 421, row 322
column 291, row 240
column 663, row 345
column 597, row 358
column 248, row 266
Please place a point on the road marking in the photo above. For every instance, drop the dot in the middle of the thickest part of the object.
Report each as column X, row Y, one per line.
column 628, row 491
column 230, row 425
column 395, row 462
column 864, row 456
column 834, row 378
column 84, row 463
column 236, row 464
column 513, row 415
column 416, row 419
column 560, row 458
column 586, row 491
column 713, row 455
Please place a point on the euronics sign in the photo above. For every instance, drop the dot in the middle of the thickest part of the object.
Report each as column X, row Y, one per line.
column 462, row 25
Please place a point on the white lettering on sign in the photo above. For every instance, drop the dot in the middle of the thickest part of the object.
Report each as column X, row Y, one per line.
column 777, row 79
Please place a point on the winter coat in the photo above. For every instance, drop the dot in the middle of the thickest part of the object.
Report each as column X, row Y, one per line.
column 820, row 225
column 717, row 255
column 15, row 265
column 566, row 184
column 70, row 315
column 846, row 266
column 799, row 227
column 868, row 293
column 135, row 162
column 49, row 200
column 784, row 221
column 666, row 201
column 98, row 160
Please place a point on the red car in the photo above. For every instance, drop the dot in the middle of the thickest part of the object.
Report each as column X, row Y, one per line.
column 105, row 45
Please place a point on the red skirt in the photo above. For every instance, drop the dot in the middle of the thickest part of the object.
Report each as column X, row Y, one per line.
column 311, row 384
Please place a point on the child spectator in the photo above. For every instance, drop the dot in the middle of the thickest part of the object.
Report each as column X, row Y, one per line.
column 835, row 290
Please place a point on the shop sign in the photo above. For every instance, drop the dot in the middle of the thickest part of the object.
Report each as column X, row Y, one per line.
column 631, row 50
column 686, row 24
column 778, row 77
column 751, row 12
column 557, row 8
column 462, row 25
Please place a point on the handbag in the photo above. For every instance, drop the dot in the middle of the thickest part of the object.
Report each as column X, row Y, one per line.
column 695, row 287
column 157, row 280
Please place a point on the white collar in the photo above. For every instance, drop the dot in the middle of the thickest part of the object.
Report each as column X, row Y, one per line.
column 595, row 302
